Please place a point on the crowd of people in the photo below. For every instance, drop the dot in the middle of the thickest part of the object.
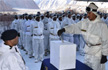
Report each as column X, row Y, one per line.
column 36, row 31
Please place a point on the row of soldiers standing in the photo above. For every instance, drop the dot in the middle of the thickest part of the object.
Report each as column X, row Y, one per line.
column 37, row 31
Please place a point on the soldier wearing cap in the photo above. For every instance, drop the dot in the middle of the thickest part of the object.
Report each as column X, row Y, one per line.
column 95, row 34
column 77, row 18
column 24, row 32
column 10, row 58
column 46, row 31
column 54, row 26
column 70, row 21
column 20, row 25
column 28, row 38
column 15, row 23
column 38, row 39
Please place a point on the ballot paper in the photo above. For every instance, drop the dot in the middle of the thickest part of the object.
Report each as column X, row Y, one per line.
column 62, row 39
column 63, row 55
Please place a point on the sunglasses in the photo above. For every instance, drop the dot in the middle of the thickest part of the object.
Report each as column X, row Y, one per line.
column 88, row 9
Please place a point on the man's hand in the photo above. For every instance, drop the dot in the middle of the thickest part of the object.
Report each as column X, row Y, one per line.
column 103, row 59
column 60, row 31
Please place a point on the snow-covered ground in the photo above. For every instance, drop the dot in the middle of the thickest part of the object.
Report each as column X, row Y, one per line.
column 36, row 66
column 30, row 61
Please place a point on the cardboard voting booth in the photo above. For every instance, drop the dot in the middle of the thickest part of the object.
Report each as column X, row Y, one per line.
column 63, row 55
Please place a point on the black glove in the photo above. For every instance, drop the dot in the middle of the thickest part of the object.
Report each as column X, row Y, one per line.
column 60, row 31
column 103, row 59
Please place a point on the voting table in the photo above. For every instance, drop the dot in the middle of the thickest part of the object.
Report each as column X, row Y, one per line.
column 47, row 66
column 63, row 57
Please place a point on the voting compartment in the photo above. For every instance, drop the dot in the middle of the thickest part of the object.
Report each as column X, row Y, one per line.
column 63, row 55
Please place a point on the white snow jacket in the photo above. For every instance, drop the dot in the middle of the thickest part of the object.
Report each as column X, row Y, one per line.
column 94, row 33
column 10, row 59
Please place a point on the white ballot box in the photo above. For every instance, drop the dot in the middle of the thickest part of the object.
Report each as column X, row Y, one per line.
column 63, row 55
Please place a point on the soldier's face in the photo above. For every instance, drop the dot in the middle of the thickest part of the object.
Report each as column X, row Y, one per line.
column 15, row 41
column 91, row 16
column 69, row 16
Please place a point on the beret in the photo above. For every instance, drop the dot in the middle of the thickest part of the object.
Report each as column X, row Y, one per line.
column 9, row 34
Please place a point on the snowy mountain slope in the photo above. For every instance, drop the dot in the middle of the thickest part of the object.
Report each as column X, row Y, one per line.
column 4, row 7
column 37, row 1
column 57, row 5
column 52, row 4
column 27, row 4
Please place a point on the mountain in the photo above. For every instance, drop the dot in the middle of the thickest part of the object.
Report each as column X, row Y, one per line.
column 76, row 5
column 52, row 4
column 4, row 7
column 37, row 1
column 24, row 4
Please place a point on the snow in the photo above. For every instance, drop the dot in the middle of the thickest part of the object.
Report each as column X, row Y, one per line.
column 4, row 7
column 52, row 4
column 19, row 6
column 36, row 66
column 30, row 61
column 60, row 5
column 37, row 1
column 27, row 4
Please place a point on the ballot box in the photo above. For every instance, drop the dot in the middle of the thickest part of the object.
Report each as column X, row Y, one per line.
column 63, row 55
